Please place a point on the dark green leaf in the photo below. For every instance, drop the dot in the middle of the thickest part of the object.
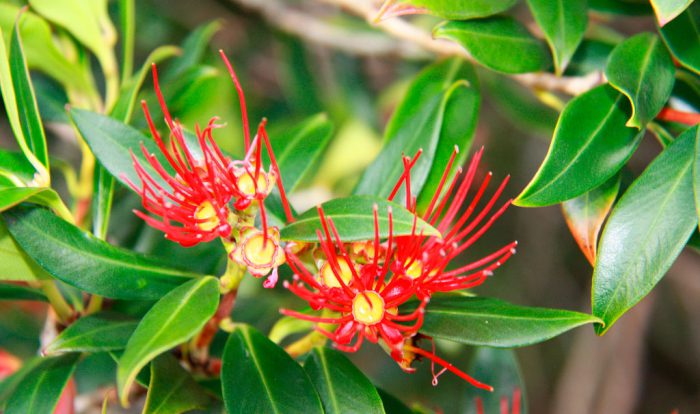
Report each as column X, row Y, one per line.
column 99, row 332
column 563, row 23
column 586, row 214
column 451, row 9
column 647, row 229
column 101, row 205
column 40, row 390
column 591, row 56
column 492, row 322
column 682, row 36
column 172, row 389
column 66, row 252
column 393, row 405
column 16, row 265
column 174, row 319
column 641, row 68
column 442, row 94
column 667, row 10
column 631, row 8
column 26, row 101
column 591, row 143
column 354, row 219
column 193, row 50
column 111, row 141
column 257, row 376
column 499, row 43
column 19, row 292
column 498, row 368
column 8, row 385
column 696, row 176
column 298, row 150
column 342, row 387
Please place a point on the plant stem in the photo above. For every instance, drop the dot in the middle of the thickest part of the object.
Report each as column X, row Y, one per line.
column 672, row 115
column 305, row 344
column 57, row 301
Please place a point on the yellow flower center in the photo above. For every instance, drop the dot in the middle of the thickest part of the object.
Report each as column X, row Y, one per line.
column 415, row 269
column 246, row 183
column 328, row 276
column 259, row 252
column 368, row 307
column 207, row 219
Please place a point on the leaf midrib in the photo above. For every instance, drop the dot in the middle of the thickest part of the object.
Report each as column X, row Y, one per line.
column 66, row 344
column 327, row 377
column 501, row 316
column 254, row 358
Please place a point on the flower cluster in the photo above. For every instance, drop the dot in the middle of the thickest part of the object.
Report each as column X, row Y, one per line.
column 360, row 286
column 195, row 193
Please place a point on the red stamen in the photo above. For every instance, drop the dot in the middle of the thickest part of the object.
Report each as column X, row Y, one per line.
column 448, row 366
column 241, row 99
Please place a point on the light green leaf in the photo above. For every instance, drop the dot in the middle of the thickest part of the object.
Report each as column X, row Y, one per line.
column 99, row 332
column 667, row 10
column 591, row 143
column 499, row 43
column 16, row 265
column 563, row 23
column 257, row 376
column 642, row 69
column 342, row 387
column 174, row 319
column 646, row 231
column 448, row 9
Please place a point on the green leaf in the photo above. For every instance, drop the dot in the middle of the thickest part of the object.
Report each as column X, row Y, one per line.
column 10, row 197
column 630, row 8
column 100, row 332
column 111, row 141
column 591, row 143
column 696, row 176
column 257, row 376
column 354, row 219
column 16, row 265
column 9, row 384
column 101, row 206
column 591, row 56
column 392, row 404
column 342, row 387
column 174, row 319
column 682, row 36
column 40, row 390
column 26, row 101
column 492, row 322
column 19, row 292
column 298, row 149
column 16, row 164
column 450, row 9
column 648, row 228
column 498, row 368
column 193, row 50
column 667, row 10
column 641, row 68
column 66, row 252
column 586, row 214
column 499, row 43
column 440, row 95
column 172, row 389
column 563, row 23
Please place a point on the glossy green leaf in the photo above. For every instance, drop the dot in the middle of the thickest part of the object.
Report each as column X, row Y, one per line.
column 99, row 332
column 392, row 404
column 591, row 143
column 111, row 141
column 40, row 390
column 26, row 101
column 586, row 214
column 18, row 292
column 647, row 229
column 641, row 68
column 15, row 164
column 498, row 368
column 682, row 36
column 299, row 149
column 174, row 319
column 10, row 197
column 257, row 376
column 492, row 322
column 591, row 56
column 354, row 219
column 448, row 9
column 342, row 387
column 563, row 23
column 65, row 252
column 499, row 43
column 101, row 206
column 172, row 389
column 16, row 265
column 667, row 10
column 440, row 99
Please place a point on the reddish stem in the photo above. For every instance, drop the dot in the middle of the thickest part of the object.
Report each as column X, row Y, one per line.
column 672, row 115
column 224, row 310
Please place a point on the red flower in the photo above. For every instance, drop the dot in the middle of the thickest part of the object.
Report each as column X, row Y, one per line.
column 195, row 203
column 425, row 259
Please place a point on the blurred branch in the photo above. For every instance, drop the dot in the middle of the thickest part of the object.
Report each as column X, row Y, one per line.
column 311, row 28
column 403, row 30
